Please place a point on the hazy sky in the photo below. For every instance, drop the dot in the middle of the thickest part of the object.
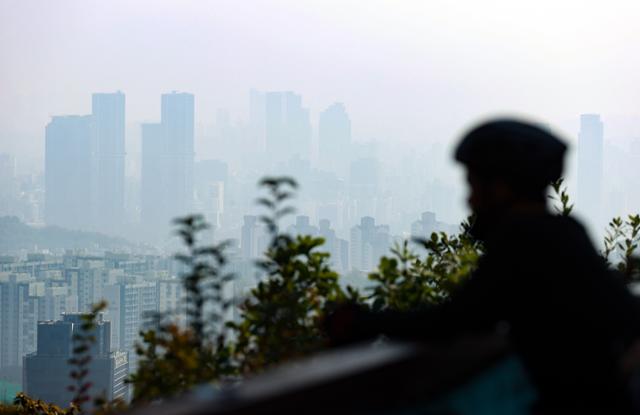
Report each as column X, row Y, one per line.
column 406, row 70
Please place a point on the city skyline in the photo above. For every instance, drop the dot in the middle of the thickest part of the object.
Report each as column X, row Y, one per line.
column 168, row 164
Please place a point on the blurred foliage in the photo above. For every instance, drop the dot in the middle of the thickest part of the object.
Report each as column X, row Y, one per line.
column 24, row 405
column 282, row 317
column 620, row 244
column 561, row 197
column 407, row 281
column 173, row 358
column 83, row 340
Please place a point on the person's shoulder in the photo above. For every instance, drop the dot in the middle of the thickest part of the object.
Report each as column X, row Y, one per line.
column 542, row 230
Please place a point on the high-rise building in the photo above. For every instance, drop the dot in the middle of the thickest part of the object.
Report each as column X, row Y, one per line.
column 210, row 179
column 249, row 237
column 254, row 238
column 69, row 172
column 129, row 304
column 153, row 190
column 171, row 297
column 18, row 319
column 427, row 224
column 368, row 243
column 338, row 248
column 87, row 280
column 178, row 129
column 302, row 226
column 287, row 127
column 46, row 372
column 167, row 188
column 334, row 140
column 108, row 112
column 590, row 149
column 363, row 186
column 57, row 301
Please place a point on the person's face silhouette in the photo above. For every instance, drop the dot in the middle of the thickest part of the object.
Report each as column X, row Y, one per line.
column 489, row 199
column 487, row 194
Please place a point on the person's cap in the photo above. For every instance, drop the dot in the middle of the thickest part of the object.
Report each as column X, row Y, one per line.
column 521, row 153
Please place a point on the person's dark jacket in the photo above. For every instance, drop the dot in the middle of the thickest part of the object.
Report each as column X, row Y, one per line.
column 569, row 318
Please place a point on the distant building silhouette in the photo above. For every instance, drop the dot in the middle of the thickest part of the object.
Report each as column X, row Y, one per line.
column 590, row 149
column 253, row 239
column 210, row 183
column 287, row 127
column 153, row 190
column 363, row 186
column 18, row 318
column 129, row 302
column 427, row 224
column 368, row 243
column 46, row 372
column 334, row 140
column 337, row 247
column 69, row 172
column 108, row 112
column 171, row 298
column 178, row 128
column 55, row 301
column 167, row 188
column 302, row 226
column 89, row 276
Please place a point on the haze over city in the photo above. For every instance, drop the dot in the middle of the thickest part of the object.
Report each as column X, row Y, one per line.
column 410, row 78
column 407, row 71
column 117, row 117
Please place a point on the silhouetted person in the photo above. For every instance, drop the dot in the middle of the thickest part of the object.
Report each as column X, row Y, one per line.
column 567, row 316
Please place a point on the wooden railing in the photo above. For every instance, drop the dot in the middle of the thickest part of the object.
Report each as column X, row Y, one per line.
column 367, row 379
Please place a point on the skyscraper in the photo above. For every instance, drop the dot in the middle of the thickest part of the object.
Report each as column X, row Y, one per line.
column 428, row 224
column 287, row 127
column 167, row 188
column 334, row 139
column 338, row 248
column 129, row 302
column 18, row 319
column 363, row 186
column 368, row 243
column 590, row 146
column 249, row 237
column 153, row 212
column 69, row 172
column 88, row 280
column 210, row 179
column 56, row 301
column 46, row 372
column 108, row 112
column 177, row 126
